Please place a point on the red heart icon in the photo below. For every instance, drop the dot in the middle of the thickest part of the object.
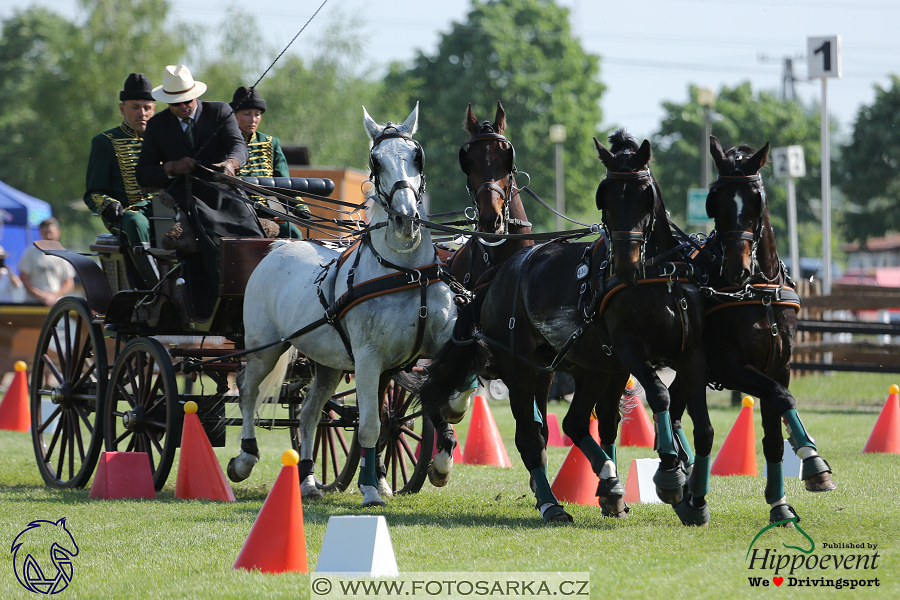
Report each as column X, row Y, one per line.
column 778, row 581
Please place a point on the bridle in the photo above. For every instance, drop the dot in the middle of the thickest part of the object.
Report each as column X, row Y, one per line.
column 641, row 236
column 386, row 199
column 486, row 134
column 753, row 238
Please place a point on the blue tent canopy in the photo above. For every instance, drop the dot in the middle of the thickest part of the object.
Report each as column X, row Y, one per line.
column 20, row 216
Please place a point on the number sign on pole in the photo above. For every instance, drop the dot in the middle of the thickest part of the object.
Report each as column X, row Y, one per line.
column 823, row 61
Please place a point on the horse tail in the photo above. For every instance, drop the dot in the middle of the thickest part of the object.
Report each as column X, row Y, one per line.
column 270, row 387
column 452, row 370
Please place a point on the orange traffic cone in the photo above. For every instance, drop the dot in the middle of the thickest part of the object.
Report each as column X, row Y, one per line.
column 738, row 454
column 554, row 437
column 199, row 474
column 15, row 415
column 457, row 453
column 576, row 481
column 637, row 430
column 885, row 436
column 483, row 443
column 277, row 542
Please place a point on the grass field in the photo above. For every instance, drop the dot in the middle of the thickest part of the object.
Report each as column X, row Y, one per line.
column 485, row 520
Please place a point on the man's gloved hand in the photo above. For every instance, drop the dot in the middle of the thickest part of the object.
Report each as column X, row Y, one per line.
column 182, row 166
column 113, row 212
column 302, row 211
column 227, row 166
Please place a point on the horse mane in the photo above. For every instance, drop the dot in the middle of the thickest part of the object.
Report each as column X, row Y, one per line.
column 622, row 140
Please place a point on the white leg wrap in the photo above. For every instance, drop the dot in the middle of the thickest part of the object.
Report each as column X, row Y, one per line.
column 608, row 470
column 806, row 451
column 546, row 506
column 783, row 500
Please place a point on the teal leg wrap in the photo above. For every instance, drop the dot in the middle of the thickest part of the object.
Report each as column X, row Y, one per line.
column 537, row 414
column 699, row 483
column 610, row 450
column 367, row 464
column 594, row 453
column 686, row 446
column 664, row 434
column 774, row 482
column 798, row 436
column 542, row 487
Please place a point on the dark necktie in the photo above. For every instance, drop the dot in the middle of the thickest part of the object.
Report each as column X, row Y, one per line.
column 189, row 130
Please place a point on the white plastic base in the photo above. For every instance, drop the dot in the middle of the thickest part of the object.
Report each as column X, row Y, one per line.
column 357, row 546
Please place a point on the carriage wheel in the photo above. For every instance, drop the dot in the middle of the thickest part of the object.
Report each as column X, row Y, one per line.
column 69, row 370
column 142, row 411
column 406, row 441
column 335, row 452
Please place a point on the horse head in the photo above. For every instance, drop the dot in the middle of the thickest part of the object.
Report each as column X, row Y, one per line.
column 737, row 203
column 489, row 161
column 396, row 171
column 630, row 201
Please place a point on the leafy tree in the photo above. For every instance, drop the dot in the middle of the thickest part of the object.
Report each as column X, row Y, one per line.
column 522, row 53
column 868, row 172
column 744, row 117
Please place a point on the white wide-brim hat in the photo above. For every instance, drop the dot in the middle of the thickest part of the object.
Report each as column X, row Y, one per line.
column 178, row 86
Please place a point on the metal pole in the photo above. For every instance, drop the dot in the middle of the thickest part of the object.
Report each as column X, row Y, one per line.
column 560, row 188
column 826, row 195
column 797, row 272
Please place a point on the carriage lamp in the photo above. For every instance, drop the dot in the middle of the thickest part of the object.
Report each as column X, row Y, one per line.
column 558, row 136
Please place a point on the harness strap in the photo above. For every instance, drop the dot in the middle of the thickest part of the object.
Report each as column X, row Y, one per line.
column 515, row 302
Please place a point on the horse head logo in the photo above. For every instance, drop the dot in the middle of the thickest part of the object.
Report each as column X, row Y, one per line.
column 41, row 547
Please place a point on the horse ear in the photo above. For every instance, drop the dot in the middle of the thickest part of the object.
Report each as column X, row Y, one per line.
column 411, row 124
column 644, row 154
column 470, row 123
column 758, row 160
column 500, row 119
column 606, row 157
column 372, row 128
column 718, row 155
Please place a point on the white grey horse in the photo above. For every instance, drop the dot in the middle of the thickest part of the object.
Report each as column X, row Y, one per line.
column 383, row 333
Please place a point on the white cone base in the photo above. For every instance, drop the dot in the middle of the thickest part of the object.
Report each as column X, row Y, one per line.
column 792, row 463
column 357, row 546
column 639, row 487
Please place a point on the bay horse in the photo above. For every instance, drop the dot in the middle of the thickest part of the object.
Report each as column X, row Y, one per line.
column 751, row 317
column 383, row 301
column 597, row 311
column 488, row 160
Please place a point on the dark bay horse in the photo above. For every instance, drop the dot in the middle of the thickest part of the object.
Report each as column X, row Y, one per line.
column 597, row 311
column 751, row 320
column 488, row 160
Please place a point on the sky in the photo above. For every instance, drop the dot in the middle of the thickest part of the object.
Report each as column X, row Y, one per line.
column 651, row 51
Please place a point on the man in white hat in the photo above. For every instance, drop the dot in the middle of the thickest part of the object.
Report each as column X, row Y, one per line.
column 191, row 133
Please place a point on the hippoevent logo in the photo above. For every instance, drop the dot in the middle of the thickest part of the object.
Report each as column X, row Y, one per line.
column 801, row 566
column 42, row 556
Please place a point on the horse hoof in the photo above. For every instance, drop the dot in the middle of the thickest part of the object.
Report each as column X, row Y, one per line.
column 783, row 512
column 690, row 514
column 370, row 496
column 820, row 482
column 309, row 490
column 613, row 506
column 670, row 484
column 384, row 490
column 437, row 478
column 610, row 486
column 554, row 513
column 233, row 475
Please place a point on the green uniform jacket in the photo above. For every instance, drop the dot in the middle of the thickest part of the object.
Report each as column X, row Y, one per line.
column 110, row 174
column 266, row 158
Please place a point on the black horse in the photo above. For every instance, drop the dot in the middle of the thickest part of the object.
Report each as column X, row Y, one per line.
column 597, row 311
column 488, row 160
column 751, row 317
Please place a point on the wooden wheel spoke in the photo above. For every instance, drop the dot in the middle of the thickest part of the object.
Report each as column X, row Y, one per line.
column 72, row 427
column 145, row 375
column 85, row 376
column 345, row 447
column 135, row 389
column 132, row 442
column 411, row 434
column 146, row 448
column 119, row 439
column 408, row 451
column 125, row 395
column 83, row 416
column 155, row 424
column 49, row 420
column 413, row 415
column 156, row 443
column 77, row 349
column 63, row 442
column 332, row 451
column 159, row 400
column 60, row 354
column 67, row 329
column 78, row 437
column 151, row 381
column 49, row 364
column 56, row 435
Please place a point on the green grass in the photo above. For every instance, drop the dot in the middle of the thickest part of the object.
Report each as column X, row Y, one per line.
column 484, row 520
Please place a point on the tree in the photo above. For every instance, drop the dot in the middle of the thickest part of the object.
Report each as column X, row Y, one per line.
column 748, row 118
column 522, row 53
column 868, row 172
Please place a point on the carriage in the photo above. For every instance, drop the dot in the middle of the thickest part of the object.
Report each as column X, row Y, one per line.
column 114, row 369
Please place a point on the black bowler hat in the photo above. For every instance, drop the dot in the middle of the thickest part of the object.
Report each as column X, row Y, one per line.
column 137, row 87
column 245, row 98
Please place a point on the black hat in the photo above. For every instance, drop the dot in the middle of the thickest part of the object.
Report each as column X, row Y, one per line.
column 137, row 87
column 245, row 98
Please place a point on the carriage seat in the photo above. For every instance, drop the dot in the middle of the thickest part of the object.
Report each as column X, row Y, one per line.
column 286, row 185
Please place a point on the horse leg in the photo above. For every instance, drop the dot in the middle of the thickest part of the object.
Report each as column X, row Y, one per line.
column 455, row 409
column 531, row 443
column 610, row 492
column 670, row 476
column 773, row 449
column 259, row 376
column 368, row 377
column 324, row 382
